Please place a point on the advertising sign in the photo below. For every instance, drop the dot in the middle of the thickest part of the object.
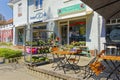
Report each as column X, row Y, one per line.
column 37, row 16
column 72, row 9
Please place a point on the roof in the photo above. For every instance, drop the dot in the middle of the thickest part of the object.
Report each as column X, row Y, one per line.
column 4, row 22
column 10, row 21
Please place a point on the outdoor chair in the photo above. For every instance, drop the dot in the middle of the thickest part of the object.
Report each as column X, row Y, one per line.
column 55, row 58
column 74, row 60
column 93, row 67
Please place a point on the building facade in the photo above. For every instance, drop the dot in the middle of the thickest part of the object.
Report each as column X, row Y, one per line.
column 6, row 31
column 71, row 20
column 19, row 20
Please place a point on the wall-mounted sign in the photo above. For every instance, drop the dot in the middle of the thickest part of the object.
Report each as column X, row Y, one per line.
column 72, row 9
column 39, row 16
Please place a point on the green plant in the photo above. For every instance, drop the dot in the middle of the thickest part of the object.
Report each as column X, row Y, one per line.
column 41, row 42
column 5, row 43
column 9, row 53
column 31, row 43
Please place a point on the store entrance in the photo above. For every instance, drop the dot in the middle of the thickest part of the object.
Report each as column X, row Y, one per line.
column 64, row 34
column 20, row 36
column 72, row 31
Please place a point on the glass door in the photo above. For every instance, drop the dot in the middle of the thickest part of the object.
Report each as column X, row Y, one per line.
column 64, row 34
column 20, row 36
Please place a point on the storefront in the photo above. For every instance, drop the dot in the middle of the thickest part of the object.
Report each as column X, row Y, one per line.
column 72, row 26
column 72, row 30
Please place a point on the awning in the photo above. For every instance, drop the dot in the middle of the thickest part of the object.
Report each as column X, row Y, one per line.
column 20, row 25
column 109, row 9
column 82, row 14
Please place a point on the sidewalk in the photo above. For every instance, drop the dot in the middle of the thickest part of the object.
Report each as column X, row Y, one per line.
column 14, row 72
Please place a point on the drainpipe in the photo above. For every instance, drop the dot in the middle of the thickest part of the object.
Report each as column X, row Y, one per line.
column 99, row 33
column 29, row 32
column 68, row 32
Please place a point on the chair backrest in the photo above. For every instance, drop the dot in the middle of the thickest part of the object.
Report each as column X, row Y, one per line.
column 97, row 57
column 54, row 49
column 101, row 53
column 96, row 66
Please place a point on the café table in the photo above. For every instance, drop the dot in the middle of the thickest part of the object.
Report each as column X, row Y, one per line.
column 66, row 60
column 115, row 69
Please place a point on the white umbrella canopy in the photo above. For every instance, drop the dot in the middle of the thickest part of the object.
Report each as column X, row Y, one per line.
column 109, row 9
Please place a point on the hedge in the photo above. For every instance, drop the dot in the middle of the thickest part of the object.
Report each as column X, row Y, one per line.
column 9, row 53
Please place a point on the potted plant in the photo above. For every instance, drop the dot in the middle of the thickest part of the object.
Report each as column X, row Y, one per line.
column 41, row 42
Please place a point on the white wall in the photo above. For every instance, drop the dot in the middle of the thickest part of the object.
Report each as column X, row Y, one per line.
column 95, row 31
column 19, row 21
column 35, row 14
column 22, row 19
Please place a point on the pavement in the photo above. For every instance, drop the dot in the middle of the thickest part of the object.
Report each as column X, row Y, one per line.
column 14, row 72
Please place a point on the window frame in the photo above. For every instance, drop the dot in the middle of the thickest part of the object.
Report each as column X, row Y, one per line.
column 38, row 4
column 19, row 9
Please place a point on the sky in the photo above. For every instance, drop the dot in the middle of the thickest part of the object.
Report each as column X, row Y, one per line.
column 5, row 10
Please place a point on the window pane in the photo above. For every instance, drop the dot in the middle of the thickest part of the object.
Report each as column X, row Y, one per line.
column 41, row 3
column 36, row 4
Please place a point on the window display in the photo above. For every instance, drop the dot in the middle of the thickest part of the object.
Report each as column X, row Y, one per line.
column 77, row 31
column 113, row 33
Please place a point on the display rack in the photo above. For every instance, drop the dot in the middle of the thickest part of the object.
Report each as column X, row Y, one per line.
column 37, row 47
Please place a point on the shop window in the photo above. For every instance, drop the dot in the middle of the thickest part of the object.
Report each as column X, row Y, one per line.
column 19, row 9
column 112, row 33
column 38, row 4
column 118, row 21
column 77, row 31
column 39, row 33
column 113, row 21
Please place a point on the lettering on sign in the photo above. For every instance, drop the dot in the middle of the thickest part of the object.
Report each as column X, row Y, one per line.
column 38, row 16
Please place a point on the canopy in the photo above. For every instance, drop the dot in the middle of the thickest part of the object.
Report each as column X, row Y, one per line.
column 109, row 9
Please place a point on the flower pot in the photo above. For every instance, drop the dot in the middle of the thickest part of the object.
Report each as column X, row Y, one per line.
column 34, row 50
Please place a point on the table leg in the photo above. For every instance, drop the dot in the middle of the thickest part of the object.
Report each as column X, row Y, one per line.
column 113, row 72
column 60, row 62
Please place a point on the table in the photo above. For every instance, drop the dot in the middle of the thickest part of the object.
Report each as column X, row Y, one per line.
column 66, row 60
column 113, row 60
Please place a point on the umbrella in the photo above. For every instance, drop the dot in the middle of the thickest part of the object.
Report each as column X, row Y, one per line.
column 109, row 9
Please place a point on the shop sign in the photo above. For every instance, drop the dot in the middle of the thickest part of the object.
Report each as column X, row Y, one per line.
column 38, row 16
column 72, row 9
